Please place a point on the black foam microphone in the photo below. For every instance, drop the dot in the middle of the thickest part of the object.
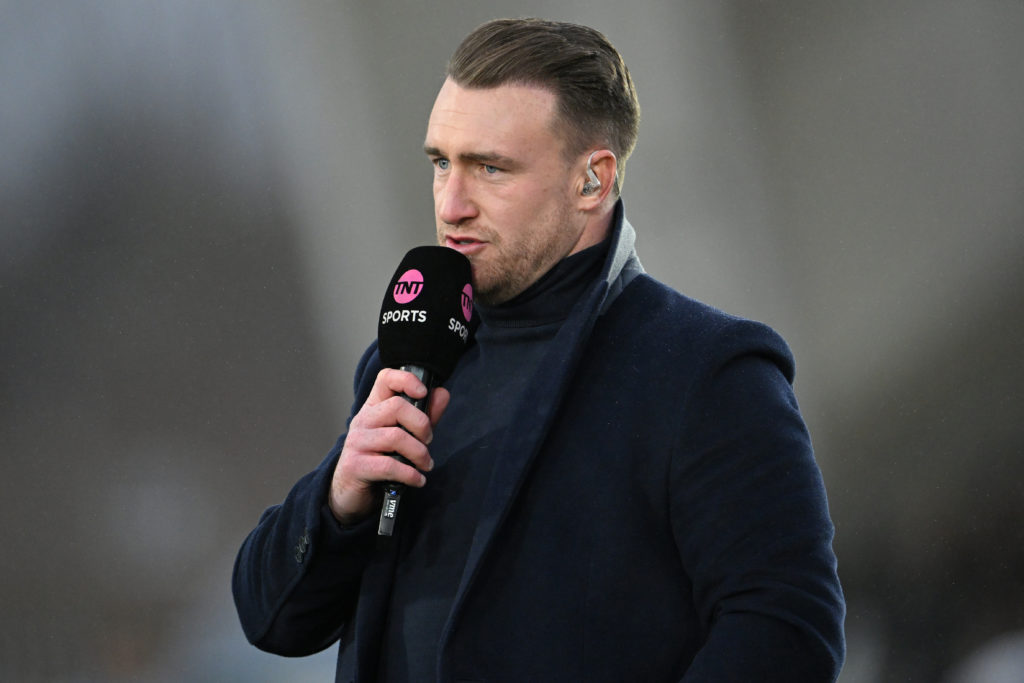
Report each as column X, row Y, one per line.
column 424, row 326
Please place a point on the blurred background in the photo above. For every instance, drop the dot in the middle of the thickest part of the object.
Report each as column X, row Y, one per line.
column 201, row 204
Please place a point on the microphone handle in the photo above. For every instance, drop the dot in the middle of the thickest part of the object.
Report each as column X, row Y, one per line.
column 393, row 490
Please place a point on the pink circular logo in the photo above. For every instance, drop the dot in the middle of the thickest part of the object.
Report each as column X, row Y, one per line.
column 408, row 286
column 467, row 301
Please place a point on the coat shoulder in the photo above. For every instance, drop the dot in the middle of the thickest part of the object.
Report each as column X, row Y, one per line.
column 652, row 319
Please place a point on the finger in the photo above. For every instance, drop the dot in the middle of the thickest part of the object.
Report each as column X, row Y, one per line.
column 390, row 469
column 391, row 382
column 373, row 468
column 396, row 411
column 437, row 404
column 383, row 441
column 391, row 411
column 414, row 420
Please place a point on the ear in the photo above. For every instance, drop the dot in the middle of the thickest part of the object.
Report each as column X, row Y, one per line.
column 597, row 179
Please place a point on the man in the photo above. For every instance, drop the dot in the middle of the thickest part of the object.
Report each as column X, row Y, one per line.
column 621, row 489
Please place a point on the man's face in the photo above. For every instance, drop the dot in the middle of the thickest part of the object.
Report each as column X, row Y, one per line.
column 503, row 193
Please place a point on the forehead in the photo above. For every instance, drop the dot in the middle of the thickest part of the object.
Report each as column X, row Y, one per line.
column 508, row 118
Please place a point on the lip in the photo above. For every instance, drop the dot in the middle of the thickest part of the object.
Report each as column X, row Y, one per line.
column 465, row 245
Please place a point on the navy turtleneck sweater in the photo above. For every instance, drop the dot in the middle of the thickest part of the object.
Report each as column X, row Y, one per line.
column 438, row 521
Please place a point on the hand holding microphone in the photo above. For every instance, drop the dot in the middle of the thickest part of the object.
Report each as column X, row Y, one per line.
column 424, row 327
column 387, row 423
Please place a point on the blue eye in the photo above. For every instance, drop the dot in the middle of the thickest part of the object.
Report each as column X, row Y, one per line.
column 442, row 164
column 491, row 169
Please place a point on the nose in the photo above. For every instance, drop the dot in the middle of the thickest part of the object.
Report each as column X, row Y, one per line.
column 452, row 200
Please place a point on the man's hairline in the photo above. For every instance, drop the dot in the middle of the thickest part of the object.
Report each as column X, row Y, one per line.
column 559, row 125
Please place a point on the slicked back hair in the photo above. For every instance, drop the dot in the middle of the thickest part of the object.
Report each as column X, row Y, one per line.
column 595, row 95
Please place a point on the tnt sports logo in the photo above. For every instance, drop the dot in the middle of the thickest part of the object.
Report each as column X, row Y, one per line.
column 467, row 302
column 408, row 286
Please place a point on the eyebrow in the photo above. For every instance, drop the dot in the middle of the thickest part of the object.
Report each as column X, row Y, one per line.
column 489, row 158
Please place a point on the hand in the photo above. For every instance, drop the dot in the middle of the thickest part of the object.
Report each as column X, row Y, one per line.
column 376, row 431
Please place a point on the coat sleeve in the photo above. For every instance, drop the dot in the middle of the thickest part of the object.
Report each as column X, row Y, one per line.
column 296, row 577
column 751, row 520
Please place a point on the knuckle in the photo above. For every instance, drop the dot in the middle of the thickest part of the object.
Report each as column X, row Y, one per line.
column 383, row 468
column 356, row 440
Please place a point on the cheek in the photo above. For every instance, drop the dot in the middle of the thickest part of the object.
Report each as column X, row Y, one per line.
column 523, row 206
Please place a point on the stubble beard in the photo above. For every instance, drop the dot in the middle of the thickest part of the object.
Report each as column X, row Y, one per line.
column 496, row 283
column 512, row 267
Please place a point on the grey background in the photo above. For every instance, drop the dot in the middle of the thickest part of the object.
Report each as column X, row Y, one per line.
column 200, row 204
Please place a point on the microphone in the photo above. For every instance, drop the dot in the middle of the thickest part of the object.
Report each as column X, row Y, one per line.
column 424, row 327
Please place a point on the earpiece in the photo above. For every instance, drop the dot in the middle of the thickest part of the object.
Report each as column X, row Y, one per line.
column 593, row 184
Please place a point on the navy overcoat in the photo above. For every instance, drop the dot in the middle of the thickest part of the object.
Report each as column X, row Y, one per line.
column 658, row 517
